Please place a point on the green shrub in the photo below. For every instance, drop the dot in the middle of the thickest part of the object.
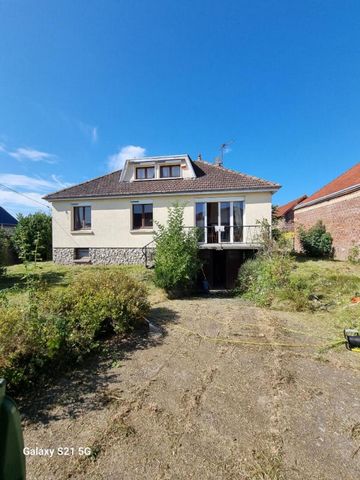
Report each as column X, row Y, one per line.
column 270, row 280
column 260, row 278
column 177, row 262
column 61, row 325
column 33, row 233
column 354, row 254
column 316, row 242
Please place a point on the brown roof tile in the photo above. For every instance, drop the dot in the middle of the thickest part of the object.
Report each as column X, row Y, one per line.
column 284, row 209
column 208, row 178
column 344, row 182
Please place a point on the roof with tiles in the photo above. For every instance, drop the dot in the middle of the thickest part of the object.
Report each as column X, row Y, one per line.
column 284, row 209
column 209, row 177
column 343, row 184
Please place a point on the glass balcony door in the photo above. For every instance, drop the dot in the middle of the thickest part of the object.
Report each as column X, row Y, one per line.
column 212, row 213
column 225, row 222
column 220, row 222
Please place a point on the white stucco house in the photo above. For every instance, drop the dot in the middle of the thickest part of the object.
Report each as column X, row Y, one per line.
column 112, row 219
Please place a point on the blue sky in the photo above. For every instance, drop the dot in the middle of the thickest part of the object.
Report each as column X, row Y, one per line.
column 81, row 81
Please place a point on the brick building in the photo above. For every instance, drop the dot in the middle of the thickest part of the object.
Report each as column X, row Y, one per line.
column 285, row 213
column 337, row 204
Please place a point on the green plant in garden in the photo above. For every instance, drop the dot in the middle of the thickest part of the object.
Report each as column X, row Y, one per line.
column 177, row 261
column 3, row 248
column 58, row 326
column 354, row 254
column 30, row 229
column 316, row 241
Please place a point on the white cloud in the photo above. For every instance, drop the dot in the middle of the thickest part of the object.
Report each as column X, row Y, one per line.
column 21, row 193
column 24, row 181
column 27, row 153
column 11, row 200
column 116, row 161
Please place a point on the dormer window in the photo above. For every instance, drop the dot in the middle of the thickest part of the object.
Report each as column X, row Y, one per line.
column 169, row 171
column 145, row 173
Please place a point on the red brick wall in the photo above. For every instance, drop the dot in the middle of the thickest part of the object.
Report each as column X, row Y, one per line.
column 342, row 220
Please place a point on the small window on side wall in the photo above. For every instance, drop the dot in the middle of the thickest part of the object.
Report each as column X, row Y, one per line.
column 82, row 218
column 170, row 171
column 142, row 216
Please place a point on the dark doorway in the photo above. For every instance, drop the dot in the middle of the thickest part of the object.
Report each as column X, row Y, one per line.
column 219, row 266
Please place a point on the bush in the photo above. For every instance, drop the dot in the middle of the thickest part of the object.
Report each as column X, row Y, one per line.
column 316, row 242
column 261, row 278
column 354, row 254
column 177, row 262
column 33, row 234
column 62, row 325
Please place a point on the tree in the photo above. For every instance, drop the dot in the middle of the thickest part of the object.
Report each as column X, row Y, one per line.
column 33, row 234
column 177, row 261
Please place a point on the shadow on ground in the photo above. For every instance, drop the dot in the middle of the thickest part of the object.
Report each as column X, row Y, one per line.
column 87, row 386
column 18, row 281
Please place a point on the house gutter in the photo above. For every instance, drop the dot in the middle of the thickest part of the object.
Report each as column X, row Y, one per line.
column 158, row 194
column 330, row 196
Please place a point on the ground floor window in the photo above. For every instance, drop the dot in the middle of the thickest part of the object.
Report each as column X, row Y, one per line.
column 81, row 253
column 142, row 216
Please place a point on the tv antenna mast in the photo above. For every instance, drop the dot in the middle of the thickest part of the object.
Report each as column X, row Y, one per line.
column 223, row 148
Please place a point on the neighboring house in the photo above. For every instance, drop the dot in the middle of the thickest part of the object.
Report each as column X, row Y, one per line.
column 285, row 213
column 112, row 219
column 7, row 221
column 337, row 204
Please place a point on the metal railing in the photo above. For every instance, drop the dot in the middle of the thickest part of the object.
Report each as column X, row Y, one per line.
column 249, row 235
column 245, row 234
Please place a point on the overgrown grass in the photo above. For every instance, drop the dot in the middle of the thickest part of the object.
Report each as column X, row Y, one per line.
column 46, row 327
column 59, row 276
column 297, row 284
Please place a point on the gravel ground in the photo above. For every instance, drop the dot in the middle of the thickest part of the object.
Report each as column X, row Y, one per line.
column 205, row 396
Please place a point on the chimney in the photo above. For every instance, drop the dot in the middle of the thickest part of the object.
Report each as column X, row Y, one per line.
column 199, row 157
column 218, row 161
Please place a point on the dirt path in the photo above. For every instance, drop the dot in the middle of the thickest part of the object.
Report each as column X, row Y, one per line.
column 203, row 401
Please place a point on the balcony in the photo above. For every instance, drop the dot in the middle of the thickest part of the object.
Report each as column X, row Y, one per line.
column 231, row 237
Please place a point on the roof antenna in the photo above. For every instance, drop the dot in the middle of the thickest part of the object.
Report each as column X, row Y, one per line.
column 223, row 149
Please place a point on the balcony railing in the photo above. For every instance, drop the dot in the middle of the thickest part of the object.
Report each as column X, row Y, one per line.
column 246, row 234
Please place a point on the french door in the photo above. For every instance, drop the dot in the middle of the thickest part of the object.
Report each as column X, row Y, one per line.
column 220, row 222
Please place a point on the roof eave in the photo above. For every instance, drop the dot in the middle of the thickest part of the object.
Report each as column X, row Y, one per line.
column 330, row 196
column 270, row 189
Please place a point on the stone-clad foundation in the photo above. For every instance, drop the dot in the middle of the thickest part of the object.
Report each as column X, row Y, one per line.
column 102, row 256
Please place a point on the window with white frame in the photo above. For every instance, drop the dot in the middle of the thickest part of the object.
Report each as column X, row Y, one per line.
column 221, row 221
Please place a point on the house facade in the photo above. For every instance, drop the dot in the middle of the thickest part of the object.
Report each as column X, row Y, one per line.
column 337, row 204
column 112, row 219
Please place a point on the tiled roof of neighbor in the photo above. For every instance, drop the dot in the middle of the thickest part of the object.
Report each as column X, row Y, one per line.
column 6, row 218
column 284, row 209
column 208, row 178
column 340, row 186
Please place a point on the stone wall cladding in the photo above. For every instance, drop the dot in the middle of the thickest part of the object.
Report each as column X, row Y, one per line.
column 64, row 256
column 116, row 256
column 342, row 220
column 103, row 256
